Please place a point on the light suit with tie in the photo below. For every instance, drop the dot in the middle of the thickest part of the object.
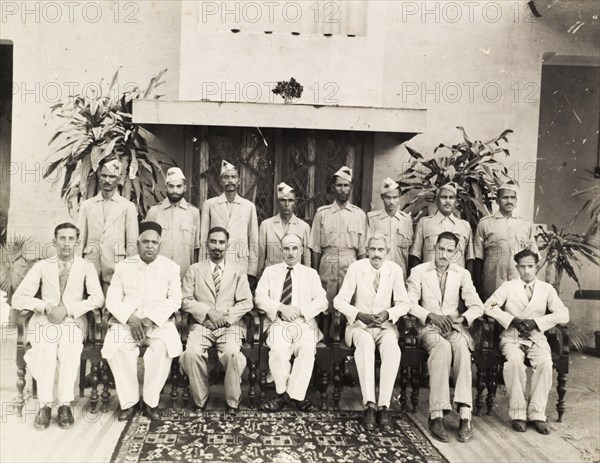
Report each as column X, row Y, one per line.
column 298, row 338
column 233, row 299
column 390, row 295
column 269, row 240
column 108, row 239
column 149, row 291
column 51, row 345
column 242, row 225
column 545, row 308
column 449, row 353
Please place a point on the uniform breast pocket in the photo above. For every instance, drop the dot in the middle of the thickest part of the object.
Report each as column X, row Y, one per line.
column 429, row 241
column 401, row 239
column 185, row 232
column 355, row 235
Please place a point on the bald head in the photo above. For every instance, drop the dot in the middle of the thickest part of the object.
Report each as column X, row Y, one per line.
column 291, row 246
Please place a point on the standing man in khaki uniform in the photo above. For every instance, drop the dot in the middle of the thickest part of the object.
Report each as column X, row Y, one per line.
column 238, row 216
column 180, row 222
column 337, row 237
column 445, row 219
column 272, row 230
column 392, row 223
column 108, row 224
column 498, row 238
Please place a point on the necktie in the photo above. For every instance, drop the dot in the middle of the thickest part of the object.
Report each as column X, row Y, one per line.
column 286, row 294
column 63, row 275
column 376, row 281
column 217, row 278
column 529, row 292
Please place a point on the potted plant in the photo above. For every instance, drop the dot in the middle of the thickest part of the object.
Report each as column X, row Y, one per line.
column 289, row 90
column 98, row 127
column 471, row 164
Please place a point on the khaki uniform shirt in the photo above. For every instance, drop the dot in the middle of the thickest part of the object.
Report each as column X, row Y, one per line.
column 399, row 231
column 339, row 235
column 428, row 230
column 181, row 231
column 497, row 240
column 269, row 240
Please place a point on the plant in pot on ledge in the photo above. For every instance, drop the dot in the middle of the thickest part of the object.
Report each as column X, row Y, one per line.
column 99, row 127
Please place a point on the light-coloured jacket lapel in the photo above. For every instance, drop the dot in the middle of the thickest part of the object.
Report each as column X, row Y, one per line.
column 278, row 226
column 431, row 280
column 113, row 213
column 208, row 278
column 221, row 208
column 452, row 281
column 236, row 212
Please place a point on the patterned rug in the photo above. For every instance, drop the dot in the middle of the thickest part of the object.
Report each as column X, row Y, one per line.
column 286, row 437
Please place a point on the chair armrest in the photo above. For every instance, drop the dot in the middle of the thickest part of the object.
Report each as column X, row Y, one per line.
column 254, row 325
column 408, row 331
column 337, row 335
column 558, row 338
column 24, row 317
column 323, row 322
column 485, row 332
column 96, row 332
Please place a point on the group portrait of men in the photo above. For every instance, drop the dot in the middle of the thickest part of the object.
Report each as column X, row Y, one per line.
column 217, row 264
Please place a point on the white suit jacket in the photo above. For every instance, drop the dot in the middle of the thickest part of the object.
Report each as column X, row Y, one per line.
column 107, row 241
column 148, row 290
column 545, row 308
column 426, row 297
column 358, row 284
column 82, row 291
column 307, row 293
column 234, row 298
column 242, row 227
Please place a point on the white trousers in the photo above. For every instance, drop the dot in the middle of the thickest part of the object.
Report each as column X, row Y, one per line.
column 533, row 407
column 52, row 346
column 286, row 340
column 123, row 364
column 448, row 355
column 365, row 342
column 194, row 361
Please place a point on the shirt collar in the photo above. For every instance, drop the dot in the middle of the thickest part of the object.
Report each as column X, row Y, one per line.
column 439, row 217
column 336, row 207
column 223, row 199
column 278, row 219
column 498, row 215
column 213, row 265
column 114, row 197
column 182, row 204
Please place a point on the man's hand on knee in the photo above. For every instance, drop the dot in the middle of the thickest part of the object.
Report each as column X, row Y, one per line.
column 443, row 322
column 217, row 318
column 136, row 328
column 58, row 314
column 367, row 318
column 291, row 313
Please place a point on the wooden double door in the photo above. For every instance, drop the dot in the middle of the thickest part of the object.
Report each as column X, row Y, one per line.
column 304, row 159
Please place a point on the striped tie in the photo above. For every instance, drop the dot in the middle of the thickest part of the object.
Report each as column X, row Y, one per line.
column 217, row 278
column 376, row 281
column 286, row 294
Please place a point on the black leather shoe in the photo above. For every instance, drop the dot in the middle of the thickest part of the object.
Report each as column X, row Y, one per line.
column 151, row 412
column 65, row 417
column 465, row 430
column 370, row 419
column 519, row 425
column 230, row 409
column 543, row 427
column 42, row 419
column 124, row 415
column 437, row 429
column 384, row 420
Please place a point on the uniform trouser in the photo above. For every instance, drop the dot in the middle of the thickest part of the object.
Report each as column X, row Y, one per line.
column 532, row 408
column 365, row 341
column 287, row 339
column 51, row 346
column 332, row 270
column 123, row 364
column 448, row 354
column 194, row 361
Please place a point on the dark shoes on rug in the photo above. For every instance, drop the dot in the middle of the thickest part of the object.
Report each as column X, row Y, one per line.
column 438, row 430
column 370, row 419
column 380, row 417
column 282, row 400
column 42, row 419
column 384, row 420
column 127, row 413
column 151, row 412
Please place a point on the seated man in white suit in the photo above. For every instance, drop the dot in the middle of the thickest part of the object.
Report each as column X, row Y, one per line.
column 144, row 293
column 292, row 296
column 435, row 289
column 377, row 286
column 70, row 289
column 217, row 294
column 526, row 307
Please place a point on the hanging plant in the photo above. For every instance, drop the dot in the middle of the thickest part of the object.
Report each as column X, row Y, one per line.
column 470, row 164
column 288, row 90
column 100, row 127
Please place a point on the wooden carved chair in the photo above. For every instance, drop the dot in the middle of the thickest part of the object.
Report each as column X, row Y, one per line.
column 91, row 351
column 322, row 360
